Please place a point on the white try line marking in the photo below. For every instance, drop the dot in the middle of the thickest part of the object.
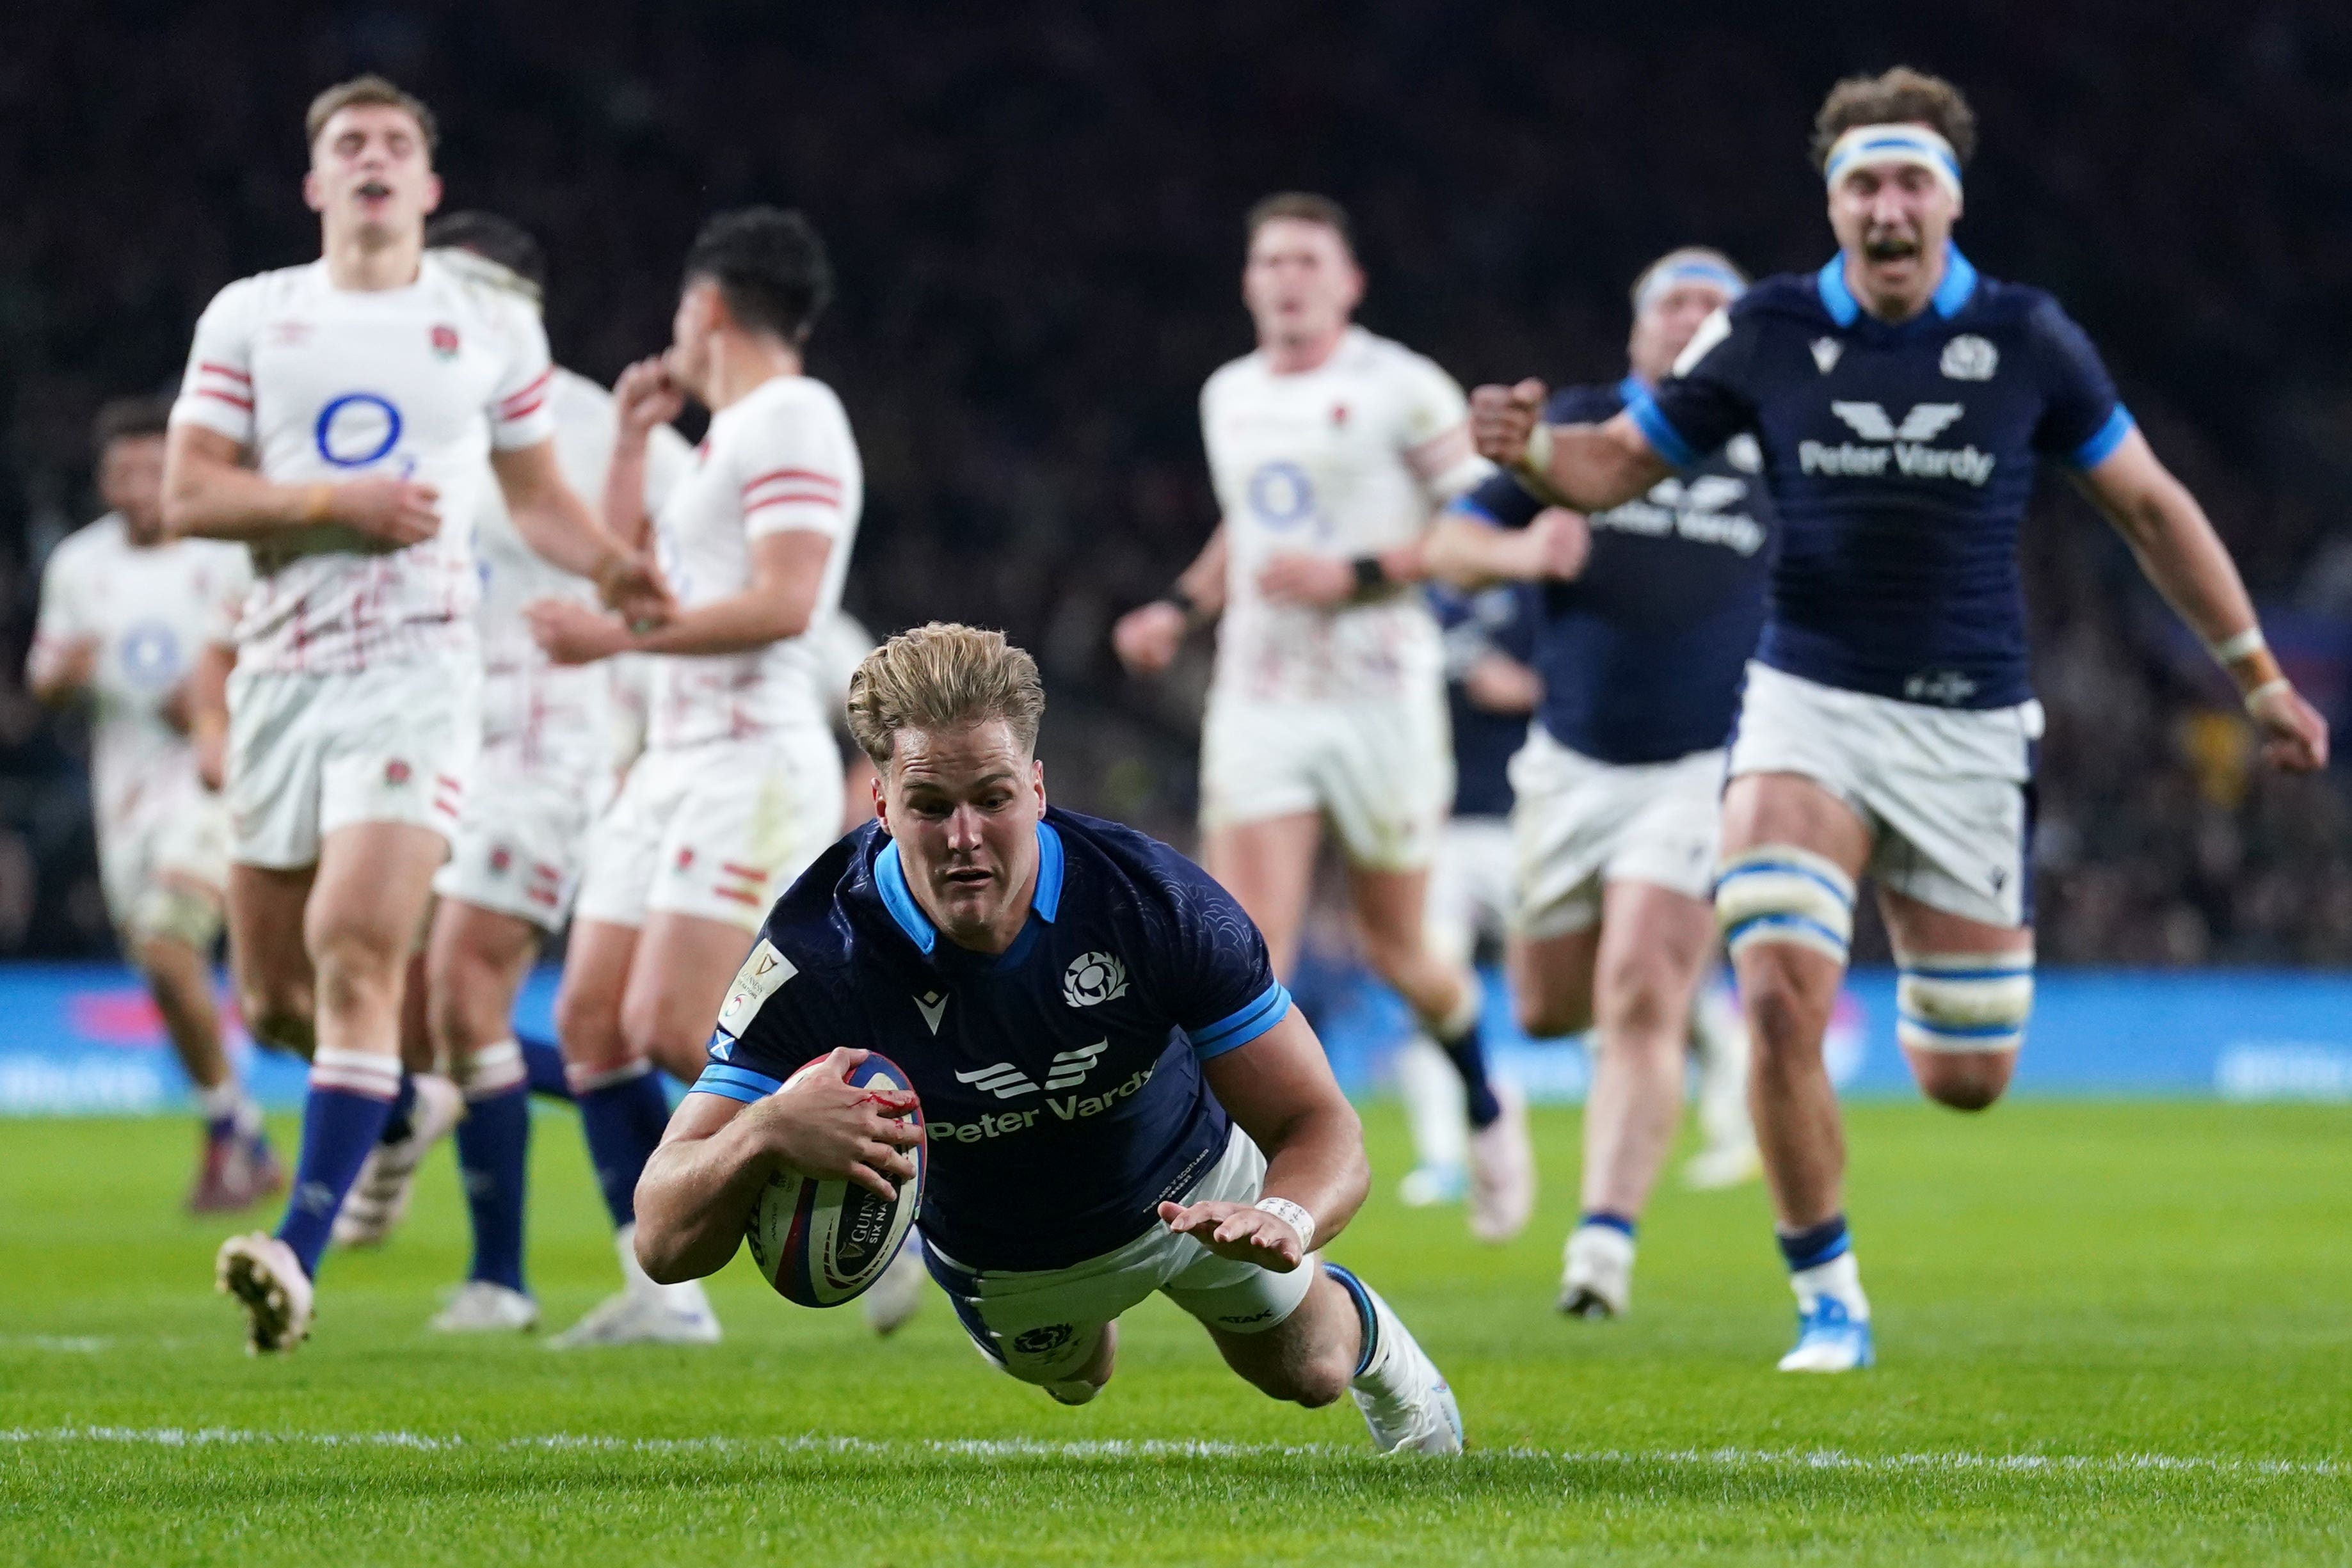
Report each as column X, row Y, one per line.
column 1791, row 1460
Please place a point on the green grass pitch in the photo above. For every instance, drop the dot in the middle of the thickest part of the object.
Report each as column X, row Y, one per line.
column 2108, row 1334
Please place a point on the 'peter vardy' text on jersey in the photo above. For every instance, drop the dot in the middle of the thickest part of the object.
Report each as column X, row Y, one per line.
column 1061, row 1081
column 1497, row 620
column 1901, row 459
column 1640, row 654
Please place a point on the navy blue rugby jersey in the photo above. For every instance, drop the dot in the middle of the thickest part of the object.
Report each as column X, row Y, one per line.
column 1640, row 654
column 1060, row 1081
column 1900, row 459
column 1500, row 619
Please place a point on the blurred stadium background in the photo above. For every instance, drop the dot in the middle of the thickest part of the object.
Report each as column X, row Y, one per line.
column 1035, row 209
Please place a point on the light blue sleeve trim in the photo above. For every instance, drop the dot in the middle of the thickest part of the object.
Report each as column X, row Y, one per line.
column 1239, row 1029
column 735, row 1083
column 2102, row 447
column 1467, row 505
column 1652, row 422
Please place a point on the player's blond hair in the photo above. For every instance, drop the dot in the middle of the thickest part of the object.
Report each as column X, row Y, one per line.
column 370, row 89
column 943, row 675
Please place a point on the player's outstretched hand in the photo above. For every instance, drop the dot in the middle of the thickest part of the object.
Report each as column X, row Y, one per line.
column 827, row 1127
column 2295, row 735
column 1237, row 1231
column 1295, row 578
column 633, row 585
column 571, row 633
column 1502, row 418
column 398, row 512
column 1146, row 637
column 1562, row 541
column 646, row 396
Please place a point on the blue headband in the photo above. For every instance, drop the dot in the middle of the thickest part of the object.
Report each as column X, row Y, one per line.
column 1893, row 145
column 1674, row 272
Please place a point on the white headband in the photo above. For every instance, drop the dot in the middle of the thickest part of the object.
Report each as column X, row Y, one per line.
column 1687, row 267
column 1895, row 144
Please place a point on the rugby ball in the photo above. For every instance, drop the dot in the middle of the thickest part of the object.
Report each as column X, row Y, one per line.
column 821, row 1243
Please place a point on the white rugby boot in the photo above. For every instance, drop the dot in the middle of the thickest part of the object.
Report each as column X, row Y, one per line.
column 1405, row 1400
column 643, row 1312
column 898, row 1295
column 1597, row 1279
column 1430, row 1088
column 379, row 1198
column 1833, row 1319
column 267, row 1281
column 1719, row 1039
column 486, row 1307
column 1502, row 1172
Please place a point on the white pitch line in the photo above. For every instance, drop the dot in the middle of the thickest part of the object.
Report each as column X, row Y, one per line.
column 1792, row 1460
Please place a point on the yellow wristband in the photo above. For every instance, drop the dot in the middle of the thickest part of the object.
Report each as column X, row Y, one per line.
column 317, row 503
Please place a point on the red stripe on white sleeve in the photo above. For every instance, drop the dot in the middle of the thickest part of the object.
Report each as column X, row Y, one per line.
column 830, row 503
column 233, row 375
column 530, row 394
column 243, row 403
column 800, row 476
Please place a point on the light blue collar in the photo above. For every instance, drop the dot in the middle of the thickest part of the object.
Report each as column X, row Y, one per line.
column 890, row 881
column 1633, row 389
column 1952, row 294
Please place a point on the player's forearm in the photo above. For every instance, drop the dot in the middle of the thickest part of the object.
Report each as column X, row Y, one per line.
column 562, row 531
column 623, row 500
column 1317, row 1160
column 1203, row 583
column 1467, row 554
column 1590, row 467
column 206, row 499
column 49, row 676
column 2186, row 561
column 744, row 623
column 693, row 1202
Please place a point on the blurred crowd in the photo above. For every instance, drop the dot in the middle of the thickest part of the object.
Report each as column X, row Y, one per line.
column 1035, row 207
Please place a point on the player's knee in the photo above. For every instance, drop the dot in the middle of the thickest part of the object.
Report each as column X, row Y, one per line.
column 657, row 1032
column 278, row 1014
column 1636, row 997
column 1548, row 1010
column 1777, row 895
column 177, row 915
column 1960, row 1018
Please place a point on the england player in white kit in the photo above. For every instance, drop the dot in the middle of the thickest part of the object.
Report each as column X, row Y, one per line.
column 740, row 784
column 1332, row 449
column 125, row 611
column 342, row 419
column 1903, row 402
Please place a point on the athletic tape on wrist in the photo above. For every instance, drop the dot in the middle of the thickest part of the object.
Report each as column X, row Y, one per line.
column 1535, row 462
column 2268, row 687
column 2229, row 650
column 1296, row 1217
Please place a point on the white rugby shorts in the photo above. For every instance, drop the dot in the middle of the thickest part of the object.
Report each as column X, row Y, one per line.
column 1577, row 824
column 718, row 831
column 1946, row 792
column 1470, row 887
column 1381, row 772
column 176, row 828
column 1041, row 1325
column 310, row 753
column 522, row 837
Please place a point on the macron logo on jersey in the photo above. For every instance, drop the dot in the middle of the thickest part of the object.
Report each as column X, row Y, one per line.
column 1905, row 446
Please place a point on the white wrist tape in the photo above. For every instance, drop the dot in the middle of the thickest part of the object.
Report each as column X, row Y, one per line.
column 2265, row 690
column 2244, row 645
column 1296, row 1217
column 1535, row 462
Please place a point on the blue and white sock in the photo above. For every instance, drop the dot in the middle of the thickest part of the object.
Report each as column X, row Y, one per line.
column 397, row 1126
column 224, row 1109
column 622, row 1111
column 1464, row 1042
column 1604, row 1219
column 542, row 1062
column 493, row 1154
column 351, row 1099
column 1821, row 1263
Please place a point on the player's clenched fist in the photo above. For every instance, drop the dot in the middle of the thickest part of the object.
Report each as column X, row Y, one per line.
column 2295, row 735
column 633, row 584
column 1563, row 542
column 1237, row 1231
column 1502, row 418
column 827, row 1127
column 646, row 396
column 398, row 512
column 1148, row 637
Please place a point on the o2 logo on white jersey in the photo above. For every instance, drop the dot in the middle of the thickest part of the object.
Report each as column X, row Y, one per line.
column 1094, row 977
column 357, row 429
column 150, row 655
column 1282, row 495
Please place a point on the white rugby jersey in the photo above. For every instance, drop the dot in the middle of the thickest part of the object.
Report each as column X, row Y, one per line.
column 1351, row 458
column 322, row 382
column 544, row 713
column 781, row 458
column 152, row 611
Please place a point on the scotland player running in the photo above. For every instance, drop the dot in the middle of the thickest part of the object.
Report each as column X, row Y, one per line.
column 125, row 615
column 1489, row 692
column 1331, row 449
column 1120, row 1098
column 1902, row 400
column 1649, row 614
column 739, row 786
column 372, row 390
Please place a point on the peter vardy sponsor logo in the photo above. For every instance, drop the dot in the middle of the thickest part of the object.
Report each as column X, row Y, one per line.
column 1065, row 1107
column 1695, row 512
column 1907, row 451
